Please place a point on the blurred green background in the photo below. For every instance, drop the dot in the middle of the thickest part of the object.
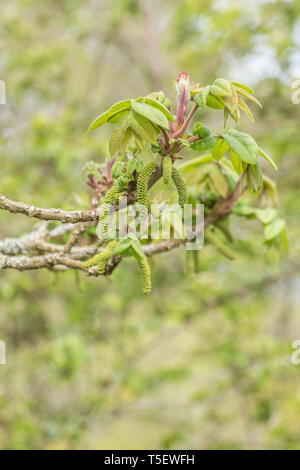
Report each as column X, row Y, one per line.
column 201, row 363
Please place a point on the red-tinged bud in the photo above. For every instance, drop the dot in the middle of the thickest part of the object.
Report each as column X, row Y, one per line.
column 183, row 94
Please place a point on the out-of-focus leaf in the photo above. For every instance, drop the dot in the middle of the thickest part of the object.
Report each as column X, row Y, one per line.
column 266, row 215
column 190, row 165
column 219, row 180
column 274, row 229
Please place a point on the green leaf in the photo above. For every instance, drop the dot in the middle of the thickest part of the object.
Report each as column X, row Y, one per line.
column 266, row 215
column 274, row 229
column 204, row 144
column 221, row 87
column 137, row 250
column 214, row 238
column 244, row 87
column 200, row 98
column 219, row 149
column 190, row 165
column 254, row 178
column 250, row 97
column 132, row 165
column 117, row 169
column 268, row 158
column 117, row 137
column 219, row 181
column 151, row 113
column 118, row 117
column 214, row 102
column 237, row 163
column 115, row 109
column 143, row 128
column 243, row 145
column 160, row 107
column 126, row 140
column 122, row 247
column 245, row 108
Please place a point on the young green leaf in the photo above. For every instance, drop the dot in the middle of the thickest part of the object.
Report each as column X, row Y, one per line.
column 268, row 158
column 266, row 215
column 118, row 136
column 250, row 97
column 243, row 145
column 244, row 87
column 143, row 128
column 151, row 113
column 160, row 107
column 214, row 102
column 219, row 181
column 204, row 144
column 219, row 149
column 200, row 98
column 274, row 229
column 237, row 163
column 115, row 109
column 254, row 178
column 221, row 87
column 245, row 108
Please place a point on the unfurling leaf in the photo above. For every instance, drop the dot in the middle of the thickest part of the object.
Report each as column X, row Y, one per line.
column 254, row 178
column 243, row 145
column 200, row 98
column 219, row 149
column 114, row 110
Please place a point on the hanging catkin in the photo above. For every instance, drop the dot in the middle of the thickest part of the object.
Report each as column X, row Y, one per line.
column 167, row 170
column 101, row 259
column 180, row 186
column 146, row 274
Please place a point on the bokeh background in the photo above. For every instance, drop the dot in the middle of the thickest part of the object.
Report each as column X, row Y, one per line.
column 203, row 362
